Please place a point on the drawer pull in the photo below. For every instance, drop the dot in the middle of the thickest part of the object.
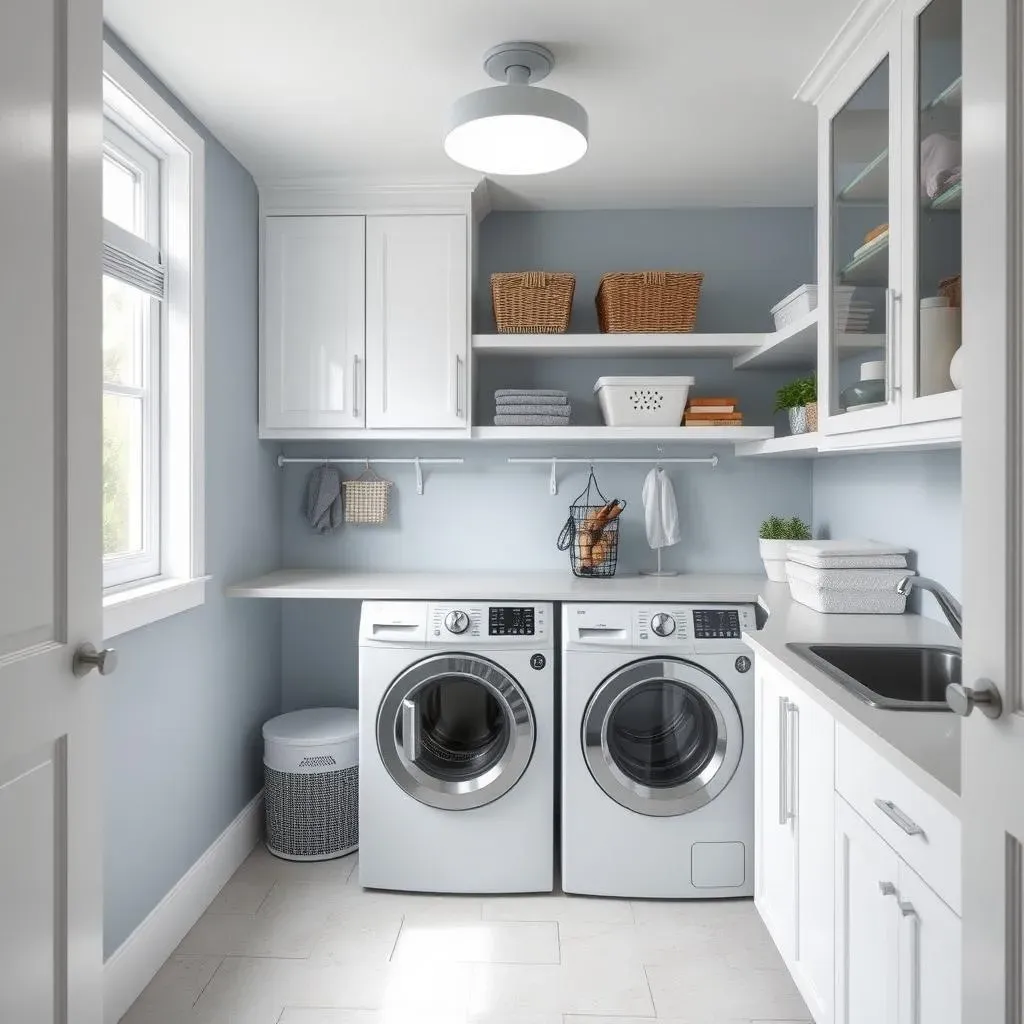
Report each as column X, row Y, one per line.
column 913, row 922
column 891, row 811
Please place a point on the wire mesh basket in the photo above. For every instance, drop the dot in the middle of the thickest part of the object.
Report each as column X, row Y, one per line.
column 591, row 533
column 366, row 498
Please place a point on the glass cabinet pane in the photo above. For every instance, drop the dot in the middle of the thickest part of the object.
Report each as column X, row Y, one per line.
column 939, row 189
column 860, row 247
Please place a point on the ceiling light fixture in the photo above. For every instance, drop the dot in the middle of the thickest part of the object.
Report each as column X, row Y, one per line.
column 516, row 128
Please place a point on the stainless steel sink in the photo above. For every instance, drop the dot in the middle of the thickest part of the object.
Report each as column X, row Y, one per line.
column 899, row 678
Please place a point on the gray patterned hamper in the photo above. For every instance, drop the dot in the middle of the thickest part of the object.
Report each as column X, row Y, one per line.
column 311, row 783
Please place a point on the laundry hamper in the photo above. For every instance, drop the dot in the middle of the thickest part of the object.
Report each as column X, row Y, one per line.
column 311, row 783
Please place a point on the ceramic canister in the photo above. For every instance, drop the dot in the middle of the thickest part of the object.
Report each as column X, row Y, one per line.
column 939, row 340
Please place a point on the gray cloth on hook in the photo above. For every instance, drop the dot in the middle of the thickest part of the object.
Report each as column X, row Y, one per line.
column 539, row 392
column 531, row 398
column 533, row 410
column 531, row 421
column 322, row 507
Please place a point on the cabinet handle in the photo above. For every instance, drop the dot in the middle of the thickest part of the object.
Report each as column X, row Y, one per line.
column 887, row 888
column 783, row 761
column 792, row 738
column 458, row 387
column 893, row 813
column 355, row 385
column 913, row 922
column 891, row 382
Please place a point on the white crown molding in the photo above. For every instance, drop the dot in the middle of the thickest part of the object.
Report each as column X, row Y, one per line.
column 345, row 195
column 856, row 28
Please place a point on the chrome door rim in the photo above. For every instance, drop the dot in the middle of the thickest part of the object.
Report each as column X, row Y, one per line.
column 461, row 794
column 670, row 800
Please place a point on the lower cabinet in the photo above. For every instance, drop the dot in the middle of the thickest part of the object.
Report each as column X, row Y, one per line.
column 897, row 945
column 794, row 833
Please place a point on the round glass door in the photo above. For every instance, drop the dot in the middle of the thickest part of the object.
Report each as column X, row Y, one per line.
column 455, row 731
column 662, row 736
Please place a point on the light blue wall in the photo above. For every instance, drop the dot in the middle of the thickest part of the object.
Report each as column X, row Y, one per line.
column 910, row 498
column 750, row 257
column 183, row 712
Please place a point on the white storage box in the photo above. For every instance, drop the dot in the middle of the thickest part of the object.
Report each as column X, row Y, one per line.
column 848, row 554
column 847, row 591
column 643, row 401
column 311, row 783
column 795, row 305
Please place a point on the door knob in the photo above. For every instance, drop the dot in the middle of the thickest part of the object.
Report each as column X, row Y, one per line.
column 87, row 658
column 962, row 699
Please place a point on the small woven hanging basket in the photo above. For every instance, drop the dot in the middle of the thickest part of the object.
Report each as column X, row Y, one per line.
column 532, row 302
column 366, row 499
column 649, row 301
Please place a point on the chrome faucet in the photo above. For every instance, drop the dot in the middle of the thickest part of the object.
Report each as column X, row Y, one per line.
column 950, row 606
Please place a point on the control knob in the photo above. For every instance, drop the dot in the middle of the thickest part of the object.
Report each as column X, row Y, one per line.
column 663, row 624
column 456, row 622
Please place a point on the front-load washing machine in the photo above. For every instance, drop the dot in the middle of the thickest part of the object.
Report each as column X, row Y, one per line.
column 657, row 750
column 457, row 725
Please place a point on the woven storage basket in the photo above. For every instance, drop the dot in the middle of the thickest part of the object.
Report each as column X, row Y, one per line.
column 950, row 287
column 534, row 302
column 366, row 499
column 648, row 301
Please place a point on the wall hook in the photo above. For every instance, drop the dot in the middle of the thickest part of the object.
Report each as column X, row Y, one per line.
column 419, row 476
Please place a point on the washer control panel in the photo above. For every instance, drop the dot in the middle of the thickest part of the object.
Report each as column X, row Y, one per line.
column 716, row 624
column 511, row 620
column 502, row 623
column 681, row 628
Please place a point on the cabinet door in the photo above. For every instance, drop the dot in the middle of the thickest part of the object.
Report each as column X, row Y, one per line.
column 775, row 835
column 416, row 322
column 930, row 322
column 929, row 955
column 812, row 740
column 312, row 332
column 866, row 923
column 860, row 237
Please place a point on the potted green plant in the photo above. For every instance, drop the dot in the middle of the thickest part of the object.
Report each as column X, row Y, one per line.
column 800, row 399
column 777, row 533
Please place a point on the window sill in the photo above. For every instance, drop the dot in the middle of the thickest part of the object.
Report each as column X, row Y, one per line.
column 133, row 607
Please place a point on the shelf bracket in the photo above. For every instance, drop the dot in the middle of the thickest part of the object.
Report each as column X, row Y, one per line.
column 553, row 481
column 419, row 476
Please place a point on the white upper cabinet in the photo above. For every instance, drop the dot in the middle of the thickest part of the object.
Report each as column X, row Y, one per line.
column 417, row 316
column 312, row 330
column 889, row 223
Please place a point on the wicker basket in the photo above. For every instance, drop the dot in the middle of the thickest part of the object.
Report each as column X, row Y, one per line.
column 533, row 302
column 648, row 301
column 950, row 287
column 366, row 499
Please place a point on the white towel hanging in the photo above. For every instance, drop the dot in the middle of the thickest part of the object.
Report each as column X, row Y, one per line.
column 661, row 514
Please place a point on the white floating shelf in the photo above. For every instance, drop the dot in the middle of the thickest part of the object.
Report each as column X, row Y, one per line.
column 796, row 347
column 673, row 435
column 617, row 346
column 951, row 199
column 870, row 269
column 794, row 446
column 871, row 185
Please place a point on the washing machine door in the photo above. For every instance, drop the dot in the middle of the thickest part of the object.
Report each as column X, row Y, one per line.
column 662, row 736
column 455, row 731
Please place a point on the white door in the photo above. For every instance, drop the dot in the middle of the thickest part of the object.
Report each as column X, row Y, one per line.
column 312, row 330
column 867, row 923
column 992, row 790
column 51, row 926
column 417, row 337
column 775, row 836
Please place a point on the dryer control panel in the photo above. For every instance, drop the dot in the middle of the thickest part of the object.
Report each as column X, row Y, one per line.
column 505, row 624
column 685, row 628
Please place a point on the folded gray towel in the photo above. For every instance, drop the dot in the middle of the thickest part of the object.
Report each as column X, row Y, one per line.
column 531, row 421
column 533, row 410
column 514, row 392
column 322, row 506
column 531, row 400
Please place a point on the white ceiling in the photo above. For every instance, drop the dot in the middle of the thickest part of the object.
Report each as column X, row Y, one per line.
column 690, row 101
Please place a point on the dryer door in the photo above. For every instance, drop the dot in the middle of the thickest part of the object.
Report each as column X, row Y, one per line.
column 662, row 736
column 455, row 731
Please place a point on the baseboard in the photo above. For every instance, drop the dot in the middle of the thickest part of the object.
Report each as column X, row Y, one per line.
column 131, row 967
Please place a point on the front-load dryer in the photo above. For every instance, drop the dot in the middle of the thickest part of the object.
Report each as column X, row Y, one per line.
column 657, row 750
column 457, row 726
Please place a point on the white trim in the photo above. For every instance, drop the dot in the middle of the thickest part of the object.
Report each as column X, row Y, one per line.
column 135, row 962
column 333, row 196
column 847, row 41
column 140, row 605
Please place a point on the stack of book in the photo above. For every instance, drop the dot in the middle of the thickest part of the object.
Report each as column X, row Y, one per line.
column 712, row 412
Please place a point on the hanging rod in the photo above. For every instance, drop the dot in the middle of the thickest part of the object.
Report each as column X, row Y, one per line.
column 553, row 461
column 284, row 460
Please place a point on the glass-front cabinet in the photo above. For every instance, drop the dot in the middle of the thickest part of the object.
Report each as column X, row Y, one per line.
column 889, row 238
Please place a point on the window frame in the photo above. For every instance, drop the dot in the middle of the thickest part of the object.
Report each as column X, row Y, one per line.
column 135, row 108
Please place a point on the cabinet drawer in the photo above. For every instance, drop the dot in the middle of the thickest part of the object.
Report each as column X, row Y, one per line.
column 917, row 827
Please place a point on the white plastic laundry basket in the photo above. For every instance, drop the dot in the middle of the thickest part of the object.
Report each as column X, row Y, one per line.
column 311, row 783
column 643, row 401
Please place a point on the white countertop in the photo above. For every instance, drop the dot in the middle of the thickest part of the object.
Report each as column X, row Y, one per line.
column 924, row 745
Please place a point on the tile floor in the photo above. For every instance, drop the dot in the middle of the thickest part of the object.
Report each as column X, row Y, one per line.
column 304, row 944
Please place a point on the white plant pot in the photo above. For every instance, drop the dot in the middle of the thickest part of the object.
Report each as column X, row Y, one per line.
column 773, row 554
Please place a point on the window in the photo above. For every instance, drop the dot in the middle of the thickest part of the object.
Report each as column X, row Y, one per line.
column 153, row 163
